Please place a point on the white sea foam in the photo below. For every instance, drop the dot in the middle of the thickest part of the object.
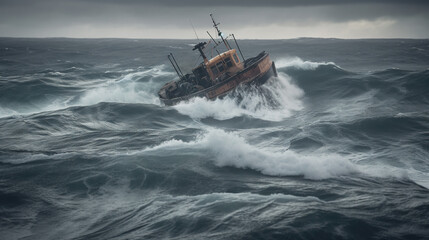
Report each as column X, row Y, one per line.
column 230, row 149
column 57, row 73
column 128, row 89
column 254, row 103
column 419, row 177
column 386, row 170
column 298, row 63
column 207, row 200
column 155, row 71
column 125, row 93
column 31, row 157
column 5, row 112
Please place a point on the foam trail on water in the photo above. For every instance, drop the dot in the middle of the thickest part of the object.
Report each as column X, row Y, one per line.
column 153, row 72
column 230, row 149
column 274, row 101
column 420, row 176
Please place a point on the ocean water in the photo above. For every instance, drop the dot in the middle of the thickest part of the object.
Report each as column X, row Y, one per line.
column 335, row 147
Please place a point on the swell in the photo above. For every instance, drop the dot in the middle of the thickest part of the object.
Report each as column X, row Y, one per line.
column 153, row 196
column 52, row 90
column 229, row 149
column 328, row 81
column 319, row 151
column 323, row 82
column 99, row 128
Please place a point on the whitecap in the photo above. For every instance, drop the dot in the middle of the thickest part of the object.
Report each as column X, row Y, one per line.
column 230, row 149
column 298, row 63
column 277, row 101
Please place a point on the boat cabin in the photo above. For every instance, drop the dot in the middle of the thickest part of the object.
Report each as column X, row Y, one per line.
column 227, row 62
column 219, row 67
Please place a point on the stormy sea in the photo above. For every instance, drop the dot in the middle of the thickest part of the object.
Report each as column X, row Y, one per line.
column 335, row 147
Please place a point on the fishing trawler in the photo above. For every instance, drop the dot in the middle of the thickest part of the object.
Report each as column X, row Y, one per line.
column 219, row 75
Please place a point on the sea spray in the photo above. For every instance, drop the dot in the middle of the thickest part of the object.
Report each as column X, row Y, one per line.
column 273, row 101
column 135, row 87
column 229, row 149
column 298, row 63
column 132, row 86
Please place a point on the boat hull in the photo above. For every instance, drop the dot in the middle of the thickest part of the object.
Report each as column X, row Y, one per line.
column 257, row 73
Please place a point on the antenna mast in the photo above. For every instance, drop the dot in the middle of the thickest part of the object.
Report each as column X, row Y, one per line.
column 219, row 33
column 200, row 46
column 196, row 35
column 175, row 65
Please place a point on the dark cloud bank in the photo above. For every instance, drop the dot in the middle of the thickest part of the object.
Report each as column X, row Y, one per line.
column 251, row 19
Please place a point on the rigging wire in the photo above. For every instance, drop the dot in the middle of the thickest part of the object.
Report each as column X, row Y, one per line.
column 199, row 56
column 192, row 25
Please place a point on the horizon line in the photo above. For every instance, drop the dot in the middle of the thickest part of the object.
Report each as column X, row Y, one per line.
column 296, row 38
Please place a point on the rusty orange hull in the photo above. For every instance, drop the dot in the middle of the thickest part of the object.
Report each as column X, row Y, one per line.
column 256, row 73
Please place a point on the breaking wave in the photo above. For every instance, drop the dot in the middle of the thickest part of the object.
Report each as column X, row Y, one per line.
column 230, row 149
column 273, row 101
column 129, row 86
column 298, row 63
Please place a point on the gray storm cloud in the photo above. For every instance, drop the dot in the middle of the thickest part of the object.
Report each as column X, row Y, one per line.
column 249, row 19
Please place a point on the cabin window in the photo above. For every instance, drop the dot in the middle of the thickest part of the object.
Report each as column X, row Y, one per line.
column 220, row 66
column 236, row 58
column 214, row 70
column 228, row 62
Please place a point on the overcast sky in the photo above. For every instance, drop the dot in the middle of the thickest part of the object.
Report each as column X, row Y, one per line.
column 251, row 19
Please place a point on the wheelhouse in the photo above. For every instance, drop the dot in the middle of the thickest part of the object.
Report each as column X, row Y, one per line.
column 227, row 62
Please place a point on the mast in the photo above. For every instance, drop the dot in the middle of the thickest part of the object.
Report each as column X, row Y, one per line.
column 175, row 65
column 200, row 46
column 235, row 40
column 219, row 33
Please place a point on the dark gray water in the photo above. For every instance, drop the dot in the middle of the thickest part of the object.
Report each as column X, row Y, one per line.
column 336, row 147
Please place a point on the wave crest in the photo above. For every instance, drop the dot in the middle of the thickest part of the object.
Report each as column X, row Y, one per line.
column 273, row 101
column 298, row 63
column 229, row 149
